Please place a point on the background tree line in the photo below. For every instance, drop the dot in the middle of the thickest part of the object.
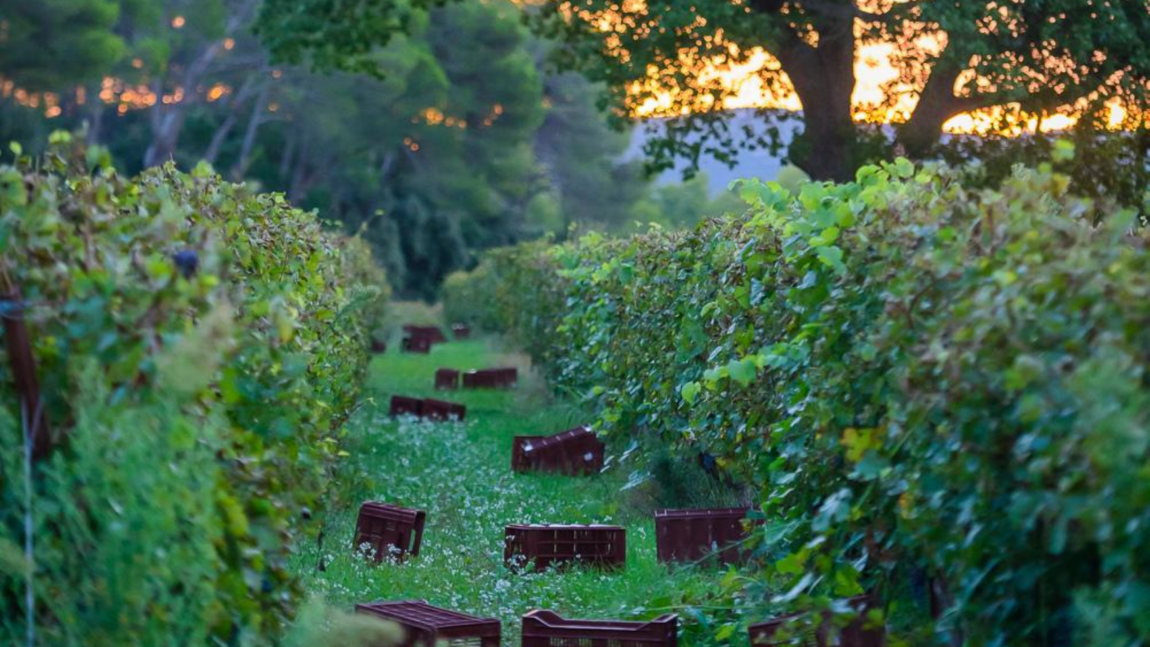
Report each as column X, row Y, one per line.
column 452, row 137
column 1016, row 59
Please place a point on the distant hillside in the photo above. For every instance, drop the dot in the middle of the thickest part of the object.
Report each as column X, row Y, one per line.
column 759, row 163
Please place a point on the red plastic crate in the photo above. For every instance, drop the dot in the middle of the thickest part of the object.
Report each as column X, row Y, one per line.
column 695, row 535
column 461, row 331
column 544, row 545
column 507, row 376
column 481, row 379
column 441, row 410
column 431, row 333
column 491, row 378
column 389, row 530
column 417, row 345
column 378, row 346
column 521, row 450
column 855, row 634
column 401, row 405
column 431, row 626
column 575, row 451
column 446, row 379
column 543, row 628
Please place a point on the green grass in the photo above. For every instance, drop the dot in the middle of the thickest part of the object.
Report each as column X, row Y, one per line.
column 460, row 474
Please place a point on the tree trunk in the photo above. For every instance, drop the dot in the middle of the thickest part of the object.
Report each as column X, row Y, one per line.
column 219, row 137
column 937, row 103
column 165, row 135
column 824, row 80
column 288, row 155
column 244, row 159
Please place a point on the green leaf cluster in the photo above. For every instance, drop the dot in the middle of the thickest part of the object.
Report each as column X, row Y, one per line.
column 920, row 377
column 198, row 412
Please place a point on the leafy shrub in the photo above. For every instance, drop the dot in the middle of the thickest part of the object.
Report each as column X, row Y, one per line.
column 182, row 306
column 915, row 374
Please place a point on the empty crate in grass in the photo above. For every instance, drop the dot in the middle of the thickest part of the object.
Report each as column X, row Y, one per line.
column 575, row 451
column 430, row 626
column 431, row 333
column 378, row 346
column 401, row 405
column 461, row 331
column 544, row 545
column 389, row 530
column 416, row 345
column 547, row 629
column 800, row 629
column 427, row 408
column 491, row 378
column 695, row 535
column 441, row 410
column 446, row 379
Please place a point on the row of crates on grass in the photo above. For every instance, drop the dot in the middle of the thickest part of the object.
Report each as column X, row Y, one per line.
column 448, row 379
column 420, row 339
column 427, row 625
column 427, row 408
column 684, row 536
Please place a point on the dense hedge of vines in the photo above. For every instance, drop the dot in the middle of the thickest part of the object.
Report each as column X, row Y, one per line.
column 926, row 383
column 198, row 345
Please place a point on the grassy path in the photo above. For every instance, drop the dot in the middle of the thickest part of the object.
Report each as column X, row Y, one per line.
column 460, row 474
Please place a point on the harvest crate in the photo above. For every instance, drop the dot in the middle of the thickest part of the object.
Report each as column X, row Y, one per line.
column 446, row 379
column 441, row 410
column 507, row 376
column 417, row 345
column 855, row 634
column 575, row 451
column 477, row 380
column 522, row 448
column 431, row 626
column 546, row 629
column 491, row 378
column 694, row 535
column 461, row 331
column 544, row 545
column 378, row 346
column 428, row 408
column 431, row 333
column 401, row 405
column 389, row 530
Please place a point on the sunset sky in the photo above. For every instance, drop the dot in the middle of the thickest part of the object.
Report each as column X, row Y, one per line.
column 873, row 69
column 743, row 81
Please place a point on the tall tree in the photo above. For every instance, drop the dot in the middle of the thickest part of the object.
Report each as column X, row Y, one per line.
column 177, row 52
column 584, row 157
column 50, row 44
column 953, row 55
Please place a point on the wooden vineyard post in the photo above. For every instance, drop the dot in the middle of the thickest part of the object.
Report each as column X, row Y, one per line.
column 20, row 357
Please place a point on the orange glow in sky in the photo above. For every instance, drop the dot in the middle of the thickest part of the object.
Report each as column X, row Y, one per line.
column 874, row 70
column 879, row 95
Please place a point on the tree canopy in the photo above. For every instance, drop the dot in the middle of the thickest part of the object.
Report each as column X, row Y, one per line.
column 47, row 43
column 459, row 139
column 952, row 56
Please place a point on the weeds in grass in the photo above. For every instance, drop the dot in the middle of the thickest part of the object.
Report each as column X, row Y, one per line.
column 460, row 474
